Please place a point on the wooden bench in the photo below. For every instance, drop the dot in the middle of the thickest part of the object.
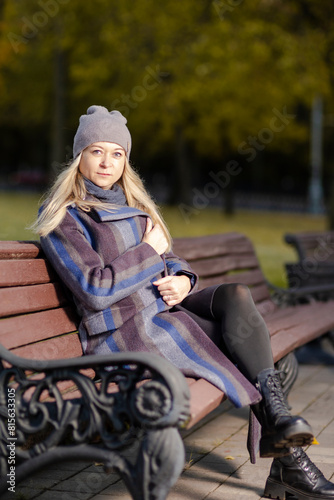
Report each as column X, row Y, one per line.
column 70, row 406
column 314, row 270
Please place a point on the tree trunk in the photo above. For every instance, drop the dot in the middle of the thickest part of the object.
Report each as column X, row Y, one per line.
column 181, row 182
column 57, row 151
column 331, row 207
column 228, row 200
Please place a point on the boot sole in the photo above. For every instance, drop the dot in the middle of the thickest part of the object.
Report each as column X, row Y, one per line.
column 297, row 435
column 279, row 491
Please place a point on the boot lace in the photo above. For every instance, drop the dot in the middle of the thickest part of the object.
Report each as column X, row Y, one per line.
column 278, row 402
column 306, row 464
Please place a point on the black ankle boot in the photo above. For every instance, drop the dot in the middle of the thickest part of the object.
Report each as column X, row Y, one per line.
column 297, row 475
column 280, row 430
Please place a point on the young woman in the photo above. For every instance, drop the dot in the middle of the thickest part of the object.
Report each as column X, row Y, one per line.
column 107, row 241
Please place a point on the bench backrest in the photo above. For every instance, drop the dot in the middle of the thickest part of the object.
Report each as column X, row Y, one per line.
column 33, row 305
column 38, row 321
column 224, row 258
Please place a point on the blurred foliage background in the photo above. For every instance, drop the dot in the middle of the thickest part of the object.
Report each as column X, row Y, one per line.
column 218, row 95
column 201, row 83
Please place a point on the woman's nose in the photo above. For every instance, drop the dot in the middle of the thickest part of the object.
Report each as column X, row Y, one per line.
column 106, row 160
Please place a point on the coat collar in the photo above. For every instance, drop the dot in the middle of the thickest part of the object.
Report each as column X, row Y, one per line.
column 119, row 213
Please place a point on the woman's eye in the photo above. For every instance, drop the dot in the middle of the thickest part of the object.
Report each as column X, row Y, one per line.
column 96, row 151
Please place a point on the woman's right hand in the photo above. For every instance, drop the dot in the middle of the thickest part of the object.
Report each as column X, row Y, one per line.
column 155, row 237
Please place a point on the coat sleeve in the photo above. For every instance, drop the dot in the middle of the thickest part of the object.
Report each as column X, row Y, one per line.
column 176, row 266
column 96, row 285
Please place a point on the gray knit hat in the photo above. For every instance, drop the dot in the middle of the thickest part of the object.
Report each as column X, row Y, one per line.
column 100, row 125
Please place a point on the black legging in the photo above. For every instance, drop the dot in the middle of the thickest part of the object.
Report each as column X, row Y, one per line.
column 228, row 315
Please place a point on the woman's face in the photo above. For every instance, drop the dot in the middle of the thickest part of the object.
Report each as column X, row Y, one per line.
column 103, row 163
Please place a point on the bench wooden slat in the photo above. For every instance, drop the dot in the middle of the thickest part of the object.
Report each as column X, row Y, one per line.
column 20, row 300
column 301, row 324
column 283, row 344
column 260, row 293
column 16, row 330
column 198, row 247
column 221, row 265
column 25, row 272
column 298, row 312
column 67, row 387
column 65, row 346
column 290, row 339
column 301, row 316
column 19, row 249
column 205, row 397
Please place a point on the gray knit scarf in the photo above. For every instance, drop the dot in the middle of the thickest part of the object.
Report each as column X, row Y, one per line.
column 114, row 195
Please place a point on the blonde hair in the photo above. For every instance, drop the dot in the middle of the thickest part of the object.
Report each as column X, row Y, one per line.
column 69, row 188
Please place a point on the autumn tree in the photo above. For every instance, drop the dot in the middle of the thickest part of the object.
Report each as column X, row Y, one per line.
column 201, row 83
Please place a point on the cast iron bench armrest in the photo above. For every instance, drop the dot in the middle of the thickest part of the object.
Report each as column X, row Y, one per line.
column 292, row 296
column 130, row 395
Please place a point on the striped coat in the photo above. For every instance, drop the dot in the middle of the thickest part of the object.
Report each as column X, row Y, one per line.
column 101, row 258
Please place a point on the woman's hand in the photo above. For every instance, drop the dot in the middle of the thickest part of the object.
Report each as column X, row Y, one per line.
column 155, row 237
column 173, row 289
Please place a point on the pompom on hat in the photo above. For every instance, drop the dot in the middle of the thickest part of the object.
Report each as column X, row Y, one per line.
column 101, row 125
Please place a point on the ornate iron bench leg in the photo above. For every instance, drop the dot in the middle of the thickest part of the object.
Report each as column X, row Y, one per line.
column 159, row 464
column 160, row 461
